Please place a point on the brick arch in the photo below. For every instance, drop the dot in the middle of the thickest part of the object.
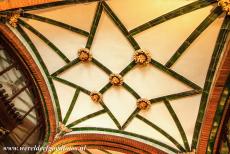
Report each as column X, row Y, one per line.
column 221, row 77
column 39, row 80
column 107, row 142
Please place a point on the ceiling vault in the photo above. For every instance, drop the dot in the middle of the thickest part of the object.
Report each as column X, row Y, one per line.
column 117, row 80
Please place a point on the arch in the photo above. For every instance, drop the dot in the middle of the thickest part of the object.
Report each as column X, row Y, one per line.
column 39, row 81
column 218, row 86
column 108, row 142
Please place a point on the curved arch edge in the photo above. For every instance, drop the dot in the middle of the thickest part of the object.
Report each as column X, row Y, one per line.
column 109, row 142
column 47, row 104
column 218, row 86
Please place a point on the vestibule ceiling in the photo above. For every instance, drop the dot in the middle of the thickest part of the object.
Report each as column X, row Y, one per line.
column 184, row 38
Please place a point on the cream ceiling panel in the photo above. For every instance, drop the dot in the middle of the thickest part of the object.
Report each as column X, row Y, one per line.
column 136, row 12
column 103, row 121
column 46, row 53
column 163, row 40
column 68, row 42
column 198, row 55
column 139, row 127
column 187, row 110
column 86, row 75
column 64, row 96
column 161, row 117
column 110, row 46
column 149, row 82
column 120, row 102
column 83, row 107
column 81, row 18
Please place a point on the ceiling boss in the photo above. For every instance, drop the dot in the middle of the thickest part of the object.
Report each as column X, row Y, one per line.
column 96, row 96
column 84, row 55
column 116, row 79
column 142, row 57
column 13, row 17
column 143, row 104
column 225, row 4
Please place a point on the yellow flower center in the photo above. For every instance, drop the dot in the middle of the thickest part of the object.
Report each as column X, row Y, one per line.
column 84, row 56
column 141, row 58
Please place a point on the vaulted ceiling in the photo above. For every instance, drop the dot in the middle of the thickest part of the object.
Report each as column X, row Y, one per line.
column 184, row 38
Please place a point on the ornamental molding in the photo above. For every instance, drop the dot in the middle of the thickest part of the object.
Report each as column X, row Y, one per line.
column 84, row 55
column 13, row 17
column 225, row 4
column 62, row 130
column 116, row 79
